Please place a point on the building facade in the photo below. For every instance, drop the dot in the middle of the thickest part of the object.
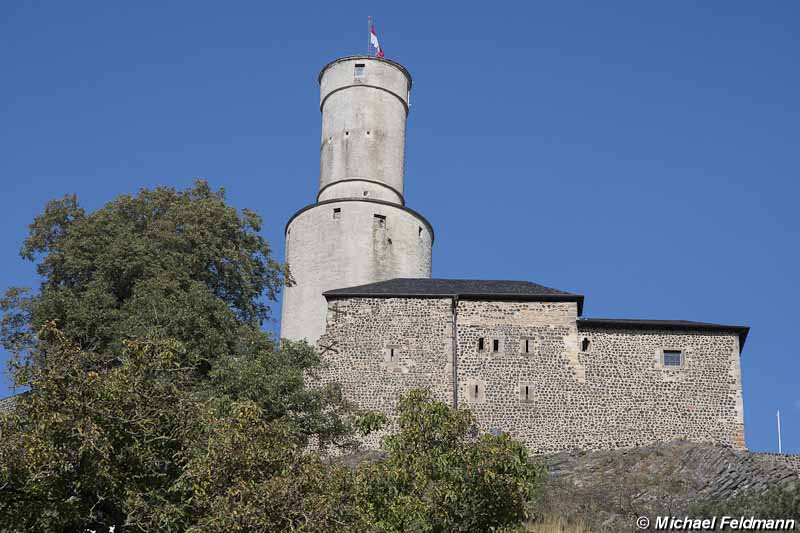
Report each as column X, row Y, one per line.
column 525, row 362
column 518, row 354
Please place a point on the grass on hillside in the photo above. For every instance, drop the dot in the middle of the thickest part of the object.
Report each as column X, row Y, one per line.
column 555, row 524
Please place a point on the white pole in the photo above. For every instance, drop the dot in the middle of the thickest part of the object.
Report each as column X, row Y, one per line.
column 369, row 35
column 780, row 450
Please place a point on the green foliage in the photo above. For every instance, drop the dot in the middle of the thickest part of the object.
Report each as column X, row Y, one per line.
column 254, row 475
column 145, row 444
column 437, row 477
column 149, row 312
column 182, row 263
column 88, row 448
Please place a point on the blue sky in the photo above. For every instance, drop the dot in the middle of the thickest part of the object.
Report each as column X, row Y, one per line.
column 643, row 154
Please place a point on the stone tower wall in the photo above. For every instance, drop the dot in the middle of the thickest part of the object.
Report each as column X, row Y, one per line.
column 614, row 394
column 355, row 248
column 359, row 231
column 363, row 121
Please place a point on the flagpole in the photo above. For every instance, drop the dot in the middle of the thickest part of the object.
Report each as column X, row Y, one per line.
column 369, row 33
column 780, row 450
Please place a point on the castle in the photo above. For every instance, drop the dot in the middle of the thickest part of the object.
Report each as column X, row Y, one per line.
column 520, row 355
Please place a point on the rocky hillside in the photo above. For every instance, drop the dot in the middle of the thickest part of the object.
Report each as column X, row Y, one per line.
column 610, row 489
column 607, row 490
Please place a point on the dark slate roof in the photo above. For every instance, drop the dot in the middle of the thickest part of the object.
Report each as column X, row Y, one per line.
column 623, row 323
column 467, row 289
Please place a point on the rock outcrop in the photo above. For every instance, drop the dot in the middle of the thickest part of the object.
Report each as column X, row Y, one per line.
column 611, row 488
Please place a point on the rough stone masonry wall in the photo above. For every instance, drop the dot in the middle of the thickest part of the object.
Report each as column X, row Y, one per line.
column 701, row 401
column 357, row 344
column 615, row 394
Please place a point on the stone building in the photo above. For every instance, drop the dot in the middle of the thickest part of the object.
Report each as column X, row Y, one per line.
column 520, row 355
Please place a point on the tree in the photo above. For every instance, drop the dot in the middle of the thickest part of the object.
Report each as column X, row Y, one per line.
column 140, row 446
column 88, row 449
column 180, row 262
column 149, row 344
column 437, row 477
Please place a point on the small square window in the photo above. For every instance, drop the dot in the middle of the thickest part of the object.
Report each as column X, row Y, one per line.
column 672, row 358
column 360, row 67
column 380, row 221
column 337, row 213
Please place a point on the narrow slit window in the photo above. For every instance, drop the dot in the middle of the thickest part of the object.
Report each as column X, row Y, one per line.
column 585, row 345
column 495, row 345
column 475, row 391
column 337, row 213
column 360, row 68
column 391, row 355
column 673, row 358
column 526, row 392
column 481, row 344
column 380, row 221
column 419, row 233
column 527, row 345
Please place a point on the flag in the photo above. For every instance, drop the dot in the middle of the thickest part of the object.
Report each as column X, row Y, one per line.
column 373, row 40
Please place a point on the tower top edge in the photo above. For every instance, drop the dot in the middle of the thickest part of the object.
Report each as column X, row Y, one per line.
column 395, row 64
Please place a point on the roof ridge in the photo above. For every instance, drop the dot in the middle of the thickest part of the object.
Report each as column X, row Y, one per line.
column 520, row 290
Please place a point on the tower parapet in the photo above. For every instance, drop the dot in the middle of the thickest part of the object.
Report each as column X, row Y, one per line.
column 359, row 230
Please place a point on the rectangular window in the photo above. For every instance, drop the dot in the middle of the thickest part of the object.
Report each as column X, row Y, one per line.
column 337, row 213
column 526, row 392
column 475, row 390
column 360, row 67
column 526, row 345
column 391, row 355
column 481, row 344
column 673, row 358
column 495, row 345
column 379, row 221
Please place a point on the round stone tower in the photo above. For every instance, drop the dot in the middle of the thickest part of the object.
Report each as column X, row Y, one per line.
column 359, row 230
